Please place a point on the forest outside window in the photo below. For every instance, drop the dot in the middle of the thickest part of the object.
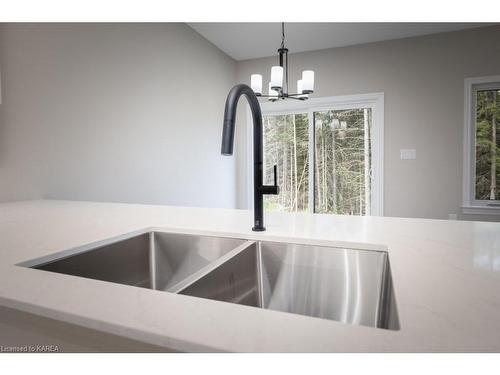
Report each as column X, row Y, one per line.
column 343, row 161
column 286, row 145
column 328, row 153
column 482, row 172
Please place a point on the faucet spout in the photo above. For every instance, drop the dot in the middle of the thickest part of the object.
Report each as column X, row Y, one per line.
column 228, row 143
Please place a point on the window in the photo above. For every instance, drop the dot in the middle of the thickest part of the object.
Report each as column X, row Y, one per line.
column 328, row 153
column 482, row 145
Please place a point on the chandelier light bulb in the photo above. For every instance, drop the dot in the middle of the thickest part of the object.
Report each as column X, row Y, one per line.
column 277, row 77
column 300, row 89
column 273, row 94
column 256, row 83
column 307, row 81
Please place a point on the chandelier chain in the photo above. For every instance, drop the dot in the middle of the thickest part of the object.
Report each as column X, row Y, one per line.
column 282, row 35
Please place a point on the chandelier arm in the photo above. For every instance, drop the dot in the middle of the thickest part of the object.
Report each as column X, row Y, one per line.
column 291, row 96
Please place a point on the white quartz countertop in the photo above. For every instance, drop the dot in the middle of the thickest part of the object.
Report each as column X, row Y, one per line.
column 446, row 277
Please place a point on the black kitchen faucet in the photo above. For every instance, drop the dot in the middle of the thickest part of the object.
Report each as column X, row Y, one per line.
column 259, row 189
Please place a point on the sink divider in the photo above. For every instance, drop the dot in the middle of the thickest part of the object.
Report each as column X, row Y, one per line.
column 152, row 260
column 183, row 284
column 260, row 274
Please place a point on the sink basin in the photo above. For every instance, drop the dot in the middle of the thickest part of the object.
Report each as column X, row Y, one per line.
column 347, row 285
column 351, row 286
column 152, row 260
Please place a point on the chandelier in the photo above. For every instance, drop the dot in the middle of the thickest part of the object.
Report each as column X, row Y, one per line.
column 278, row 86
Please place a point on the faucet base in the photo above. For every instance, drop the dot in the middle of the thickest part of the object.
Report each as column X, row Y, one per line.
column 259, row 229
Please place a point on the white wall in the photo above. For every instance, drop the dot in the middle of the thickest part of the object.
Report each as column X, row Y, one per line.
column 423, row 82
column 113, row 112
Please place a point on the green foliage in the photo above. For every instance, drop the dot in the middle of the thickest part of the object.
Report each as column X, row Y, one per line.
column 488, row 145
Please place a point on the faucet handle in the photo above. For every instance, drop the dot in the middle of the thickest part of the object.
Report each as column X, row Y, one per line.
column 271, row 189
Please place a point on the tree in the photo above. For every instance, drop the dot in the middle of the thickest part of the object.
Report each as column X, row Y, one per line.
column 487, row 145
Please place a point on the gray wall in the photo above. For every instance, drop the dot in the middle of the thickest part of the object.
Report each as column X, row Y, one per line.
column 132, row 112
column 423, row 80
column 113, row 112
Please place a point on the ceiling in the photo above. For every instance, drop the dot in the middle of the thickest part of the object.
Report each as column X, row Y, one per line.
column 244, row 41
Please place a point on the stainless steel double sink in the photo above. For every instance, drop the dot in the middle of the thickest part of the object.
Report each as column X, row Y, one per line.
column 348, row 285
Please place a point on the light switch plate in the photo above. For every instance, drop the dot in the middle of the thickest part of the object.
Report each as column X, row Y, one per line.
column 408, row 154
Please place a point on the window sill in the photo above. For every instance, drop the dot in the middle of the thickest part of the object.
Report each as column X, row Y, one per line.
column 480, row 210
